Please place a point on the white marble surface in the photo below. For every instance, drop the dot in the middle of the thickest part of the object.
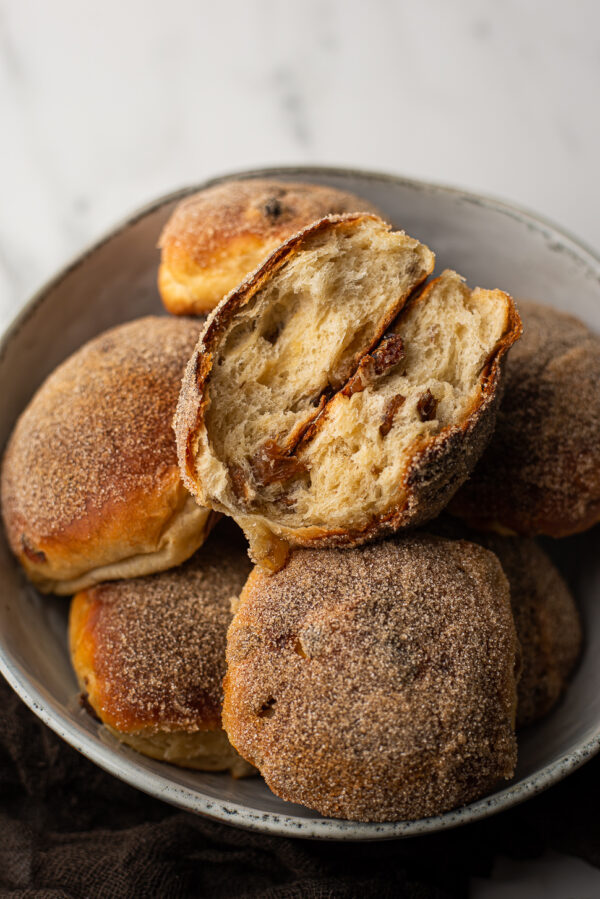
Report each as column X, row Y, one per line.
column 104, row 106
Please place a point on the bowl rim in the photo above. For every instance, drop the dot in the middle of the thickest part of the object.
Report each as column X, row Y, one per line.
column 161, row 786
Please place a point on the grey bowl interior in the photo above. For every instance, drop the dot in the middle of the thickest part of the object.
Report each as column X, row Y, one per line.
column 493, row 245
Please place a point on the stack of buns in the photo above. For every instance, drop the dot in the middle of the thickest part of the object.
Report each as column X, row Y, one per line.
column 247, row 507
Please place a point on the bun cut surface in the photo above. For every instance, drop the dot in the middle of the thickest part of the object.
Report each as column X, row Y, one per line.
column 91, row 489
column 216, row 237
column 376, row 683
column 312, row 417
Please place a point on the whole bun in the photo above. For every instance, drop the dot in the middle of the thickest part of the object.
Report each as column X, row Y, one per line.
column 149, row 654
column 541, row 471
column 547, row 622
column 376, row 683
column 546, row 617
column 215, row 238
column 90, row 487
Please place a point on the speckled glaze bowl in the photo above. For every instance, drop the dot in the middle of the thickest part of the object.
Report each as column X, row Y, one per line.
column 493, row 245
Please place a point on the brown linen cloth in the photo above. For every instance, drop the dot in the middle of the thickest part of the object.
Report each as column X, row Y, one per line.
column 69, row 830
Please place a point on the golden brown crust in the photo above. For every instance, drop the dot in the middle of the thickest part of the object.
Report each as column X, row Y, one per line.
column 215, row 238
column 376, row 683
column 90, row 479
column 150, row 652
column 541, row 472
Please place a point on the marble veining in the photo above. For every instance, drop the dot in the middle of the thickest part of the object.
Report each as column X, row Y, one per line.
column 104, row 108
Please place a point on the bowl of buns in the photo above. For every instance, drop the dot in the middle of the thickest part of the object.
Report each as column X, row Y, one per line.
column 300, row 498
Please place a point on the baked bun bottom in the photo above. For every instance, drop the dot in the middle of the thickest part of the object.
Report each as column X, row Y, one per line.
column 203, row 751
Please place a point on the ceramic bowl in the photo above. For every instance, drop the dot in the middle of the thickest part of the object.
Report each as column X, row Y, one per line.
column 492, row 245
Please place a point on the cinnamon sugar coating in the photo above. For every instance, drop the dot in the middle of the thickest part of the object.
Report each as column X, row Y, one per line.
column 546, row 617
column 547, row 622
column 376, row 683
column 90, row 478
column 541, row 471
column 150, row 652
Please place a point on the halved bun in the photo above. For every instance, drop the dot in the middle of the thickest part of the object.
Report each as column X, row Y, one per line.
column 301, row 422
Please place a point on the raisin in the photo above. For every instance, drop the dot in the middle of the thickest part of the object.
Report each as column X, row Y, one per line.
column 271, row 464
column 427, row 406
column 357, row 383
column 389, row 353
column 391, row 407
column 34, row 555
column 239, row 483
column 273, row 208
